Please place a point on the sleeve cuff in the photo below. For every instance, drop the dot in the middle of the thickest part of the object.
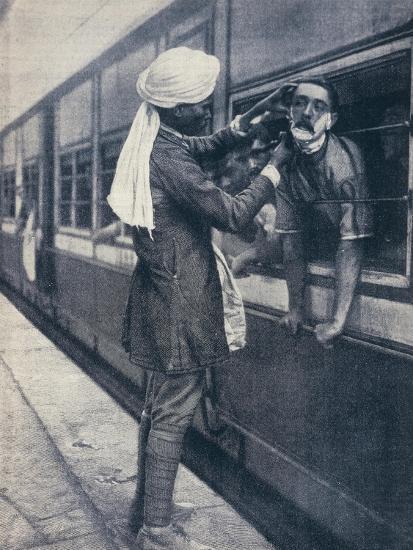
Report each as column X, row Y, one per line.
column 271, row 172
column 236, row 128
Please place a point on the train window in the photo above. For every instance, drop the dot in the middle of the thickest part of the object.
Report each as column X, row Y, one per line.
column 30, row 183
column 109, row 156
column 375, row 105
column 374, row 113
column 29, row 197
column 9, row 193
column 75, row 205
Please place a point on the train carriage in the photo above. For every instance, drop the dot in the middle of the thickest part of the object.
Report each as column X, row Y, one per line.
column 329, row 430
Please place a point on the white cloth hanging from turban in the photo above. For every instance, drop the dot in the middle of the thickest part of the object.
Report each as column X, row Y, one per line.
column 179, row 75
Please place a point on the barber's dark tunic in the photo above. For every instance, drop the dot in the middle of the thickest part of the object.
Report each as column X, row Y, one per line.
column 174, row 321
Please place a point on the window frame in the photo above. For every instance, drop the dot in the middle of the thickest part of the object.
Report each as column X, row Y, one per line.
column 73, row 150
column 4, row 172
column 108, row 138
column 29, row 164
column 335, row 67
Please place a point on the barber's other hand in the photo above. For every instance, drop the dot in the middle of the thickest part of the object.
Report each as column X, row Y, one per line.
column 282, row 153
column 326, row 332
column 293, row 320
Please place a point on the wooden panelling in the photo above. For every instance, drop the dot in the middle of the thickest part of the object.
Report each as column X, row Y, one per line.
column 75, row 288
column 119, row 99
column 270, row 35
column 187, row 23
column 32, row 136
column 113, row 291
column 75, row 115
column 9, row 149
column 11, row 259
column 344, row 414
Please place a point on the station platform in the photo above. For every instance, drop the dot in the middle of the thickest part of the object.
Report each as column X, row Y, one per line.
column 68, row 457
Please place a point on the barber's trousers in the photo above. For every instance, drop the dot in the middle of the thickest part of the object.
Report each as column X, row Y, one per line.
column 170, row 402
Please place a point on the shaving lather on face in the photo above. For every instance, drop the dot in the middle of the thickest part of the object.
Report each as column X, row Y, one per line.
column 310, row 140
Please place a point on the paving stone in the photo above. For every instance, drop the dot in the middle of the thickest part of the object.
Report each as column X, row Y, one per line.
column 40, row 502
column 89, row 542
column 98, row 441
column 15, row 530
column 70, row 524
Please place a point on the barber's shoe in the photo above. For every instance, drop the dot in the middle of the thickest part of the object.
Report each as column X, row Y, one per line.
column 180, row 512
column 166, row 538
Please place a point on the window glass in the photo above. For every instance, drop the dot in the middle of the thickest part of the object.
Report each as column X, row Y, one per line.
column 30, row 188
column 9, row 194
column 83, row 216
column 65, row 214
column 375, row 104
column 109, row 156
column 374, row 108
column 76, row 189
column 66, row 165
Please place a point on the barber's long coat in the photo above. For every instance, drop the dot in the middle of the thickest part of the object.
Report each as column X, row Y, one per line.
column 174, row 320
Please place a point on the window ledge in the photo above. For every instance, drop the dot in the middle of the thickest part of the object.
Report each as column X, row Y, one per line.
column 115, row 255
column 74, row 243
column 124, row 240
column 9, row 226
column 367, row 276
column 75, row 231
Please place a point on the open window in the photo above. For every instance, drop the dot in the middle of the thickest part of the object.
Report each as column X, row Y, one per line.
column 374, row 90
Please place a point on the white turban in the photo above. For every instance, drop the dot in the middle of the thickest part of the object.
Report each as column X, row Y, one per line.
column 179, row 75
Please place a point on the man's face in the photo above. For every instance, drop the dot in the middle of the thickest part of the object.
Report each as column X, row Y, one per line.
column 310, row 102
column 259, row 156
column 194, row 118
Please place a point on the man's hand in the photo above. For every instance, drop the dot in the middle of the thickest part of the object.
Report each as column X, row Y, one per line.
column 282, row 153
column 278, row 100
column 326, row 332
column 276, row 103
column 293, row 320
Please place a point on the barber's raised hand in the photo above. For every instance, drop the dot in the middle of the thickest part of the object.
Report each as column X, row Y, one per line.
column 282, row 153
column 293, row 320
column 326, row 332
column 277, row 102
